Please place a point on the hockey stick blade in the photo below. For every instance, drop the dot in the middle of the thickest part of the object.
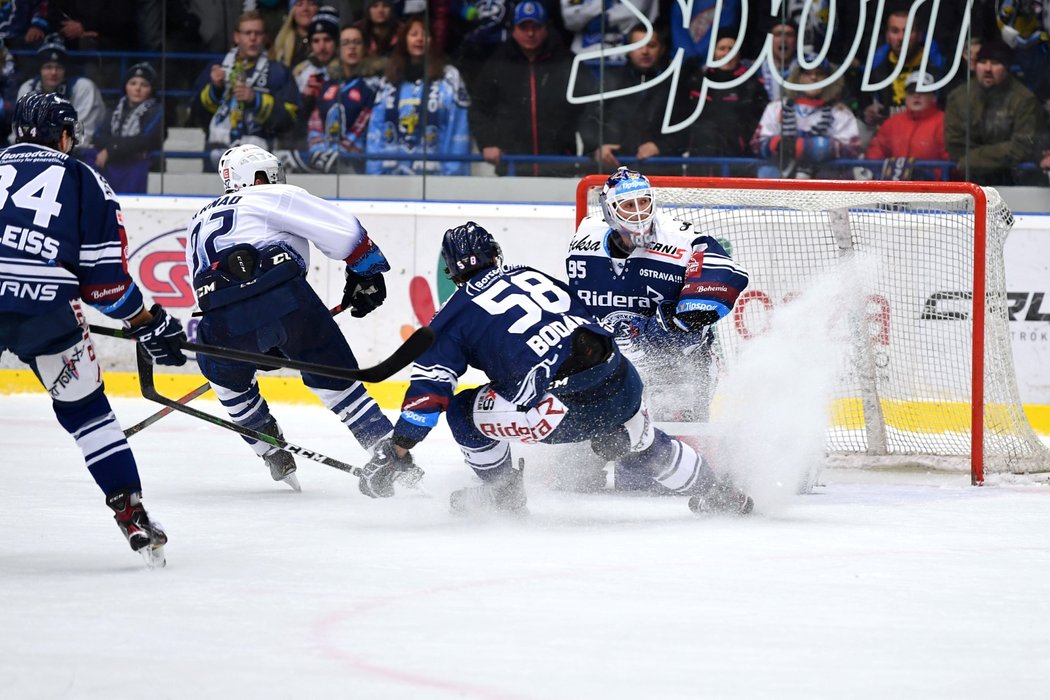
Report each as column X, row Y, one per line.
column 199, row 391
column 149, row 391
column 416, row 345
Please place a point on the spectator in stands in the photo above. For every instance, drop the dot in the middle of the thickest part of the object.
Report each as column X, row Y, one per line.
column 917, row 133
column 420, row 110
column 877, row 106
column 519, row 103
column 94, row 25
column 806, row 130
column 134, row 130
column 323, row 63
column 630, row 126
column 1025, row 27
column 729, row 117
column 23, row 24
column 693, row 34
column 218, row 22
column 81, row 91
column 247, row 98
column 292, row 44
column 995, row 126
column 478, row 29
column 784, row 54
column 968, row 70
column 380, row 27
column 167, row 25
column 339, row 124
column 600, row 25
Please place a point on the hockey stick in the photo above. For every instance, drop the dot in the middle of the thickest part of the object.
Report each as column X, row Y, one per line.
column 149, row 391
column 202, row 389
column 416, row 345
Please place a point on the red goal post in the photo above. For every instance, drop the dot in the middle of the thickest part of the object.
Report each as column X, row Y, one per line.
column 934, row 385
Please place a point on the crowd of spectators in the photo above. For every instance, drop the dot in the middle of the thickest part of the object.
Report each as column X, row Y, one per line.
column 412, row 86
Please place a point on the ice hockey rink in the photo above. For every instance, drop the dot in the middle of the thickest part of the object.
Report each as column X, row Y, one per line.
column 879, row 584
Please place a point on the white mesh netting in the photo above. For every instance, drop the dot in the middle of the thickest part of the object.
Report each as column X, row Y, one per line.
column 905, row 393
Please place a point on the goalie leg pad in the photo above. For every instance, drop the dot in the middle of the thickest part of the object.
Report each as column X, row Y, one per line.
column 673, row 466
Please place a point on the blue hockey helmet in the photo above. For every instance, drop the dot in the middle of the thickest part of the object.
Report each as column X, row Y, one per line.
column 42, row 117
column 628, row 204
column 467, row 249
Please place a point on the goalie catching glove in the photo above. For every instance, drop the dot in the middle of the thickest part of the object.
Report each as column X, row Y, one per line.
column 363, row 295
column 686, row 321
column 378, row 477
column 161, row 337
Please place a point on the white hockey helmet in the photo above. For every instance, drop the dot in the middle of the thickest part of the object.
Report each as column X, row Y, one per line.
column 240, row 166
column 628, row 204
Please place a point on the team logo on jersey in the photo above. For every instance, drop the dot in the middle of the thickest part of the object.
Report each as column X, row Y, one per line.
column 585, row 246
column 69, row 372
column 666, row 250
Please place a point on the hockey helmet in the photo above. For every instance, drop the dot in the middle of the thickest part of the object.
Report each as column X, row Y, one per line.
column 240, row 166
column 467, row 249
column 628, row 204
column 41, row 118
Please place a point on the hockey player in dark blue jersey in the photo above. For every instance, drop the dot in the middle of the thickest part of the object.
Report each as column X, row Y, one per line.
column 555, row 376
column 659, row 285
column 249, row 251
column 61, row 240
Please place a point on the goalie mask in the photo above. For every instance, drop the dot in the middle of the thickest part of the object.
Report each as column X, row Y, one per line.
column 468, row 249
column 628, row 205
column 240, row 166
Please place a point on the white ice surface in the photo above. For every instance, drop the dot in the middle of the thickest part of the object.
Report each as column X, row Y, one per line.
column 880, row 585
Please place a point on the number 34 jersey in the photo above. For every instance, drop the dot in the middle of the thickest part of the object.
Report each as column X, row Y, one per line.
column 513, row 323
column 61, row 236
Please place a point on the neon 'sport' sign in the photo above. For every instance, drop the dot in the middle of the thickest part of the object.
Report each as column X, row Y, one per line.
column 766, row 55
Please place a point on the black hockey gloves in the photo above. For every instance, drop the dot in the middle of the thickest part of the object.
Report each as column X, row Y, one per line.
column 385, row 468
column 162, row 337
column 685, row 322
column 363, row 295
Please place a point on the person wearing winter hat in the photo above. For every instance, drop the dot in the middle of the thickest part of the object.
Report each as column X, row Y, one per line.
column 81, row 91
column 917, row 133
column 133, row 131
column 323, row 63
column 1001, row 117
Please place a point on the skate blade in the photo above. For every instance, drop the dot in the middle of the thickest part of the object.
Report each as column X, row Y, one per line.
column 293, row 481
column 154, row 557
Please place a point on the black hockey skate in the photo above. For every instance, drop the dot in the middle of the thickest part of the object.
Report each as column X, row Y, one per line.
column 722, row 497
column 144, row 535
column 280, row 462
column 505, row 494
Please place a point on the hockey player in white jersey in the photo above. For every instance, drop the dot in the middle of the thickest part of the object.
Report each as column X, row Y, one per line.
column 659, row 285
column 249, row 251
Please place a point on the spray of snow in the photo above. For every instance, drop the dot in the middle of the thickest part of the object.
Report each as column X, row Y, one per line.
column 772, row 408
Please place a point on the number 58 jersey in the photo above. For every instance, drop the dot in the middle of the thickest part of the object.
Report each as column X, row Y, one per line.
column 513, row 323
column 61, row 236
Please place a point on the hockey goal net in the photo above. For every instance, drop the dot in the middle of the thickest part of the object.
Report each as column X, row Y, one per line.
column 929, row 379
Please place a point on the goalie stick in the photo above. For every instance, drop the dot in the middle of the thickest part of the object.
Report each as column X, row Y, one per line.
column 416, row 345
column 199, row 391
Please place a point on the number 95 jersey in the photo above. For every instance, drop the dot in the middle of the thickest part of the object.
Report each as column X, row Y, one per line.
column 61, row 236
column 680, row 266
